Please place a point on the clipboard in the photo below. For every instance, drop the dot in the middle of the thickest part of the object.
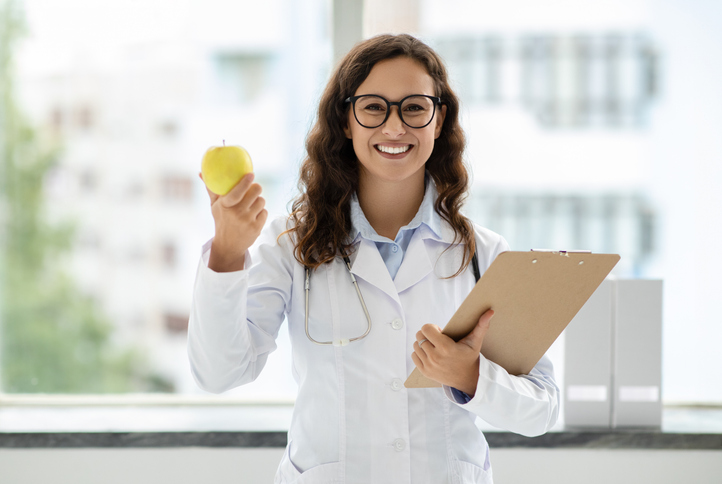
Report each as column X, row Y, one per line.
column 534, row 295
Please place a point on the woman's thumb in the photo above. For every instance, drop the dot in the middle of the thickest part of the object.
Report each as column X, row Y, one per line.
column 476, row 337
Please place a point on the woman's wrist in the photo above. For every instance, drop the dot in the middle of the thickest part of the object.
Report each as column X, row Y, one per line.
column 469, row 381
column 221, row 260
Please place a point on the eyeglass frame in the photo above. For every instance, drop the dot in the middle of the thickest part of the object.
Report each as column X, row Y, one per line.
column 352, row 99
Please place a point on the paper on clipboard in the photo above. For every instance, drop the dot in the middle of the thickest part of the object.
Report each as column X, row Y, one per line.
column 534, row 295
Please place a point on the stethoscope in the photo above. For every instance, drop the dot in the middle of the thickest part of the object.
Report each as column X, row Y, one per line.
column 345, row 341
column 342, row 341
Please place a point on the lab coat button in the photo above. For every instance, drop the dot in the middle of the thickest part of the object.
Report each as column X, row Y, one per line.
column 397, row 384
column 397, row 324
column 399, row 445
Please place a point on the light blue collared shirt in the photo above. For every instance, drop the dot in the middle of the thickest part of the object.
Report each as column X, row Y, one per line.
column 392, row 251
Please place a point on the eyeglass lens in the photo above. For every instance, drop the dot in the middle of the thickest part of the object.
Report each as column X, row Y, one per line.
column 415, row 111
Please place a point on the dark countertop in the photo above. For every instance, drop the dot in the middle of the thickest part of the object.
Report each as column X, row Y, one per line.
column 627, row 439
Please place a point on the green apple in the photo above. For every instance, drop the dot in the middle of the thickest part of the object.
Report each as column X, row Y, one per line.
column 223, row 166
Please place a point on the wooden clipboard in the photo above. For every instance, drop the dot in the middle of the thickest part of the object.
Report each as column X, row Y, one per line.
column 534, row 295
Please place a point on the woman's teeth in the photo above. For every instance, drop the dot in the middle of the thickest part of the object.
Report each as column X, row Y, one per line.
column 393, row 150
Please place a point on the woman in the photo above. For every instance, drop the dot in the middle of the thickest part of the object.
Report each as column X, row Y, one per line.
column 374, row 257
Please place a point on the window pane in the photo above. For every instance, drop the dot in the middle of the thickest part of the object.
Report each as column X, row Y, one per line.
column 111, row 109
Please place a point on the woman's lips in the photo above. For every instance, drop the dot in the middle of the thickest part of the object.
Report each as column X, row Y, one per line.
column 393, row 151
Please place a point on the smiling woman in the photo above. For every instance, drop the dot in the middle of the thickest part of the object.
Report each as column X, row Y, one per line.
column 381, row 196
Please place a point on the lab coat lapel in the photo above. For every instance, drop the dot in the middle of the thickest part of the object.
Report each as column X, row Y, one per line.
column 416, row 264
column 369, row 266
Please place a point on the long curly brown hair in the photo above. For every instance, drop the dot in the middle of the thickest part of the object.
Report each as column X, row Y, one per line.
column 329, row 175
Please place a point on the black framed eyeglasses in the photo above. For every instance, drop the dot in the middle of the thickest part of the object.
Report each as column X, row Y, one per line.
column 415, row 111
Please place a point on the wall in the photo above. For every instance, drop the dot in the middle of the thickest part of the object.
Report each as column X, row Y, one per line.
column 220, row 466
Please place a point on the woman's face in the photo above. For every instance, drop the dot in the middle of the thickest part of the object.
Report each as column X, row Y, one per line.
column 394, row 79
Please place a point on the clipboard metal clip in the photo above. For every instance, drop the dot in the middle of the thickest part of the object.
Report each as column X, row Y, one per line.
column 565, row 253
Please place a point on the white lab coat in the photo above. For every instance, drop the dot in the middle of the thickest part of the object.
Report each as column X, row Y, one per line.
column 354, row 421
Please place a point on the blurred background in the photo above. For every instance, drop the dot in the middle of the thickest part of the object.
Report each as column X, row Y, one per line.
column 591, row 125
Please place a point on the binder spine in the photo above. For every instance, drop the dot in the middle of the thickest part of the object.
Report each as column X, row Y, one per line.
column 587, row 368
column 637, row 370
column 613, row 357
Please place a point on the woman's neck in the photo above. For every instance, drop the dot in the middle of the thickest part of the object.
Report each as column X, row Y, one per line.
column 389, row 205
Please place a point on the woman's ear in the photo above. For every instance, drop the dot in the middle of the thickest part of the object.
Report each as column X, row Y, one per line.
column 347, row 130
column 440, row 121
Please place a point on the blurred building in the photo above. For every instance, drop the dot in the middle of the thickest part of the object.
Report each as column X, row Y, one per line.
column 558, row 124
column 133, row 113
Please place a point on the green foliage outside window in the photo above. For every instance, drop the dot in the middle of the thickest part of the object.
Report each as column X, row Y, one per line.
column 53, row 338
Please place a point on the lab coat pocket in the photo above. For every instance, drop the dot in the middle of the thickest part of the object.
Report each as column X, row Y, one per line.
column 468, row 473
column 288, row 473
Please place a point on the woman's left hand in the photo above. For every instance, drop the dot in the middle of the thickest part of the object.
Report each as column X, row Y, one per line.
column 449, row 362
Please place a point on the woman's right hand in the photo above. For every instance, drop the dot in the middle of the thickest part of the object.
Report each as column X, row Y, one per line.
column 239, row 217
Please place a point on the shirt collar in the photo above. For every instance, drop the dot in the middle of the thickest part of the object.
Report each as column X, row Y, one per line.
column 426, row 217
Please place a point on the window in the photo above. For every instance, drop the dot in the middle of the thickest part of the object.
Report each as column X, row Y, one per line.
column 176, row 323
column 169, row 255
column 585, row 80
column 177, row 188
column 85, row 118
column 581, row 134
column 108, row 216
column 241, row 78
column 609, row 223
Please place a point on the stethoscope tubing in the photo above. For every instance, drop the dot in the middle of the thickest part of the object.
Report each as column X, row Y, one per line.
column 342, row 342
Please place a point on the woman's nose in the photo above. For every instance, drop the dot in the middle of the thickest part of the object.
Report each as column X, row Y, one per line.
column 393, row 125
